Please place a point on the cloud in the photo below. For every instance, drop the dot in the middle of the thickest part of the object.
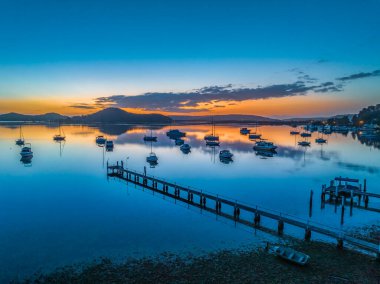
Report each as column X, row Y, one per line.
column 83, row 106
column 357, row 167
column 192, row 100
column 359, row 76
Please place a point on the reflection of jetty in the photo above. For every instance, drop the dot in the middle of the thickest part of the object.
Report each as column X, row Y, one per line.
column 230, row 209
column 341, row 189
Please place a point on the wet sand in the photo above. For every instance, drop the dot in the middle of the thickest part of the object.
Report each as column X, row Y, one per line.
column 327, row 265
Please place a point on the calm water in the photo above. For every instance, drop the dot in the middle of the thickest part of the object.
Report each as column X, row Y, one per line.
column 61, row 209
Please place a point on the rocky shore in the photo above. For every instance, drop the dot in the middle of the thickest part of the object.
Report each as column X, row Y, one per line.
column 327, row 265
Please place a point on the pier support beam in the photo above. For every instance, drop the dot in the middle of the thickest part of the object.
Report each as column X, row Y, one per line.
column 339, row 244
column 280, row 227
column 307, row 234
column 256, row 220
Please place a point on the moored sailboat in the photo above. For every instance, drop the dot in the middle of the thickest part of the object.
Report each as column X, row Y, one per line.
column 21, row 140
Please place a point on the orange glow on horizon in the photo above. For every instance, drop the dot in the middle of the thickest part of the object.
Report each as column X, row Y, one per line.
column 312, row 105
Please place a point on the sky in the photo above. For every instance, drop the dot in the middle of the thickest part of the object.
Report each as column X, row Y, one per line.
column 272, row 58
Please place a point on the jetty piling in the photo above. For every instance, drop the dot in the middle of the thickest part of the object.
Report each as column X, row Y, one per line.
column 167, row 188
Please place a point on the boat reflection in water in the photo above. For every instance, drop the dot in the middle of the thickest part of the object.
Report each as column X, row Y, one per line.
column 225, row 156
column 27, row 161
column 185, row 148
column 266, row 154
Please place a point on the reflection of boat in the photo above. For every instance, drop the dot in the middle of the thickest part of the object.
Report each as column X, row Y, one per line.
column 60, row 136
column 266, row 154
column 254, row 136
column 320, row 140
column 304, row 143
column 212, row 137
column 291, row 255
column 109, row 145
column 175, row 133
column 179, row 142
column 27, row 161
column 150, row 138
column 212, row 143
column 185, row 148
column 26, row 152
column 225, row 154
column 305, row 134
column 101, row 140
column 21, row 140
column 264, row 146
column 244, row 130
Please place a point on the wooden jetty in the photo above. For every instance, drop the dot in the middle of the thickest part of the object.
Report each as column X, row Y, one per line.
column 220, row 205
column 340, row 189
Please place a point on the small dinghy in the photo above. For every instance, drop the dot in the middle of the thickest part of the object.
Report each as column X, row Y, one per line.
column 291, row 255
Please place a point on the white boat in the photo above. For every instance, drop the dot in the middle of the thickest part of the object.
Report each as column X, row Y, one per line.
column 305, row 134
column 21, row 140
column 109, row 145
column 101, row 140
column 291, row 255
column 26, row 152
column 264, row 146
column 212, row 137
column 244, row 131
column 152, row 158
column 179, row 142
column 175, row 133
column 61, row 136
column 304, row 143
column 185, row 147
column 225, row 154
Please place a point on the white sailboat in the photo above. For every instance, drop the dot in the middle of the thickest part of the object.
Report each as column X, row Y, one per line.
column 212, row 139
column 152, row 159
column 21, row 140
column 61, row 136
column 255, row 135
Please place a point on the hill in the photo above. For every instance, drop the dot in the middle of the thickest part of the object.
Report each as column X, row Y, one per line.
column 116, row 115
column 12, row 116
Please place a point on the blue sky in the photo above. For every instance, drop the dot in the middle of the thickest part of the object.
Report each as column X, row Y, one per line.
column 87, row 49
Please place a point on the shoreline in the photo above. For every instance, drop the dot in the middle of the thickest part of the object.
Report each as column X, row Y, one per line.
column 327, row 265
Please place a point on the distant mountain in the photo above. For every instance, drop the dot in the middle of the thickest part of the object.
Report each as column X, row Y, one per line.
column 12, row 116
column 116, row 115
column 308, row 119
column 223, row 118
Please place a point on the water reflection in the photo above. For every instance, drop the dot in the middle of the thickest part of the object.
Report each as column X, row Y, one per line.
column 118, row 218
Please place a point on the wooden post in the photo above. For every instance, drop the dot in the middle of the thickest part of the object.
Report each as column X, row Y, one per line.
column 366, row 200
column 339, row 244
column 311, row 203
column 307, row 234
column 280, row 227
column 256, row 220
column 351, row 203
column 342, row 214
column 365, row 185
